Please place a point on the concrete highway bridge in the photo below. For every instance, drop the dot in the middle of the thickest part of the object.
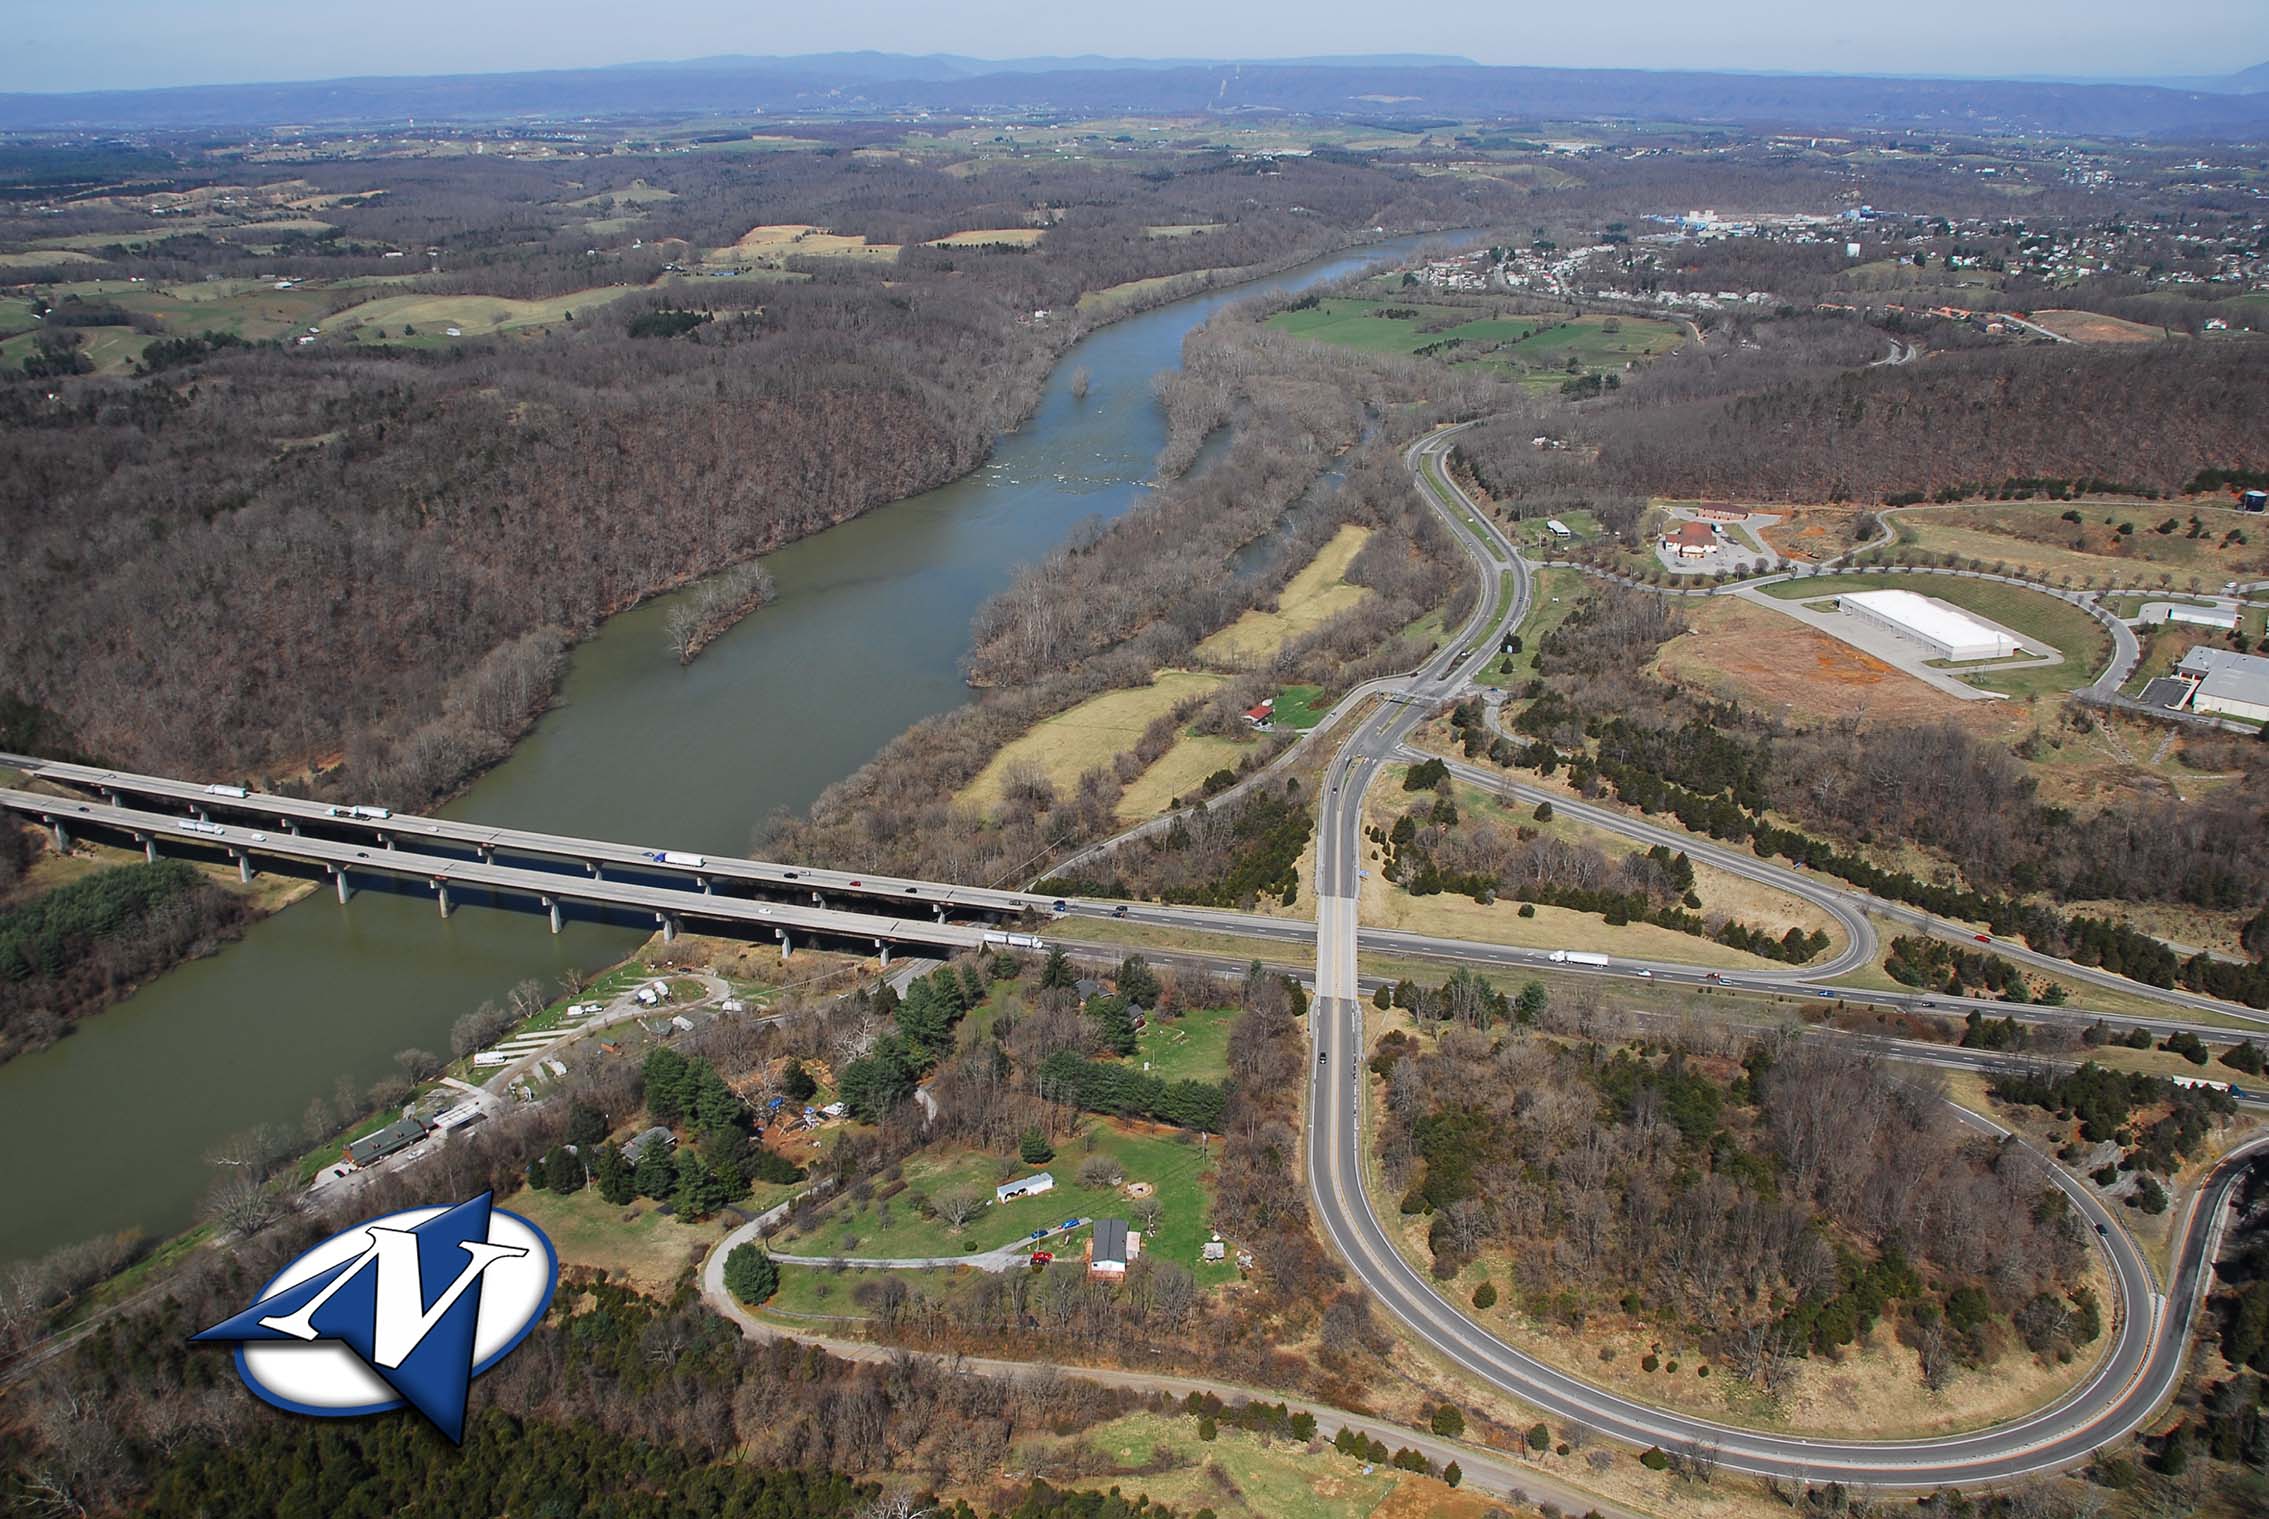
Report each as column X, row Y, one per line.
column 559, row 874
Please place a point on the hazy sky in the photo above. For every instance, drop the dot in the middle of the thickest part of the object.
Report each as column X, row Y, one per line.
column 136, row 43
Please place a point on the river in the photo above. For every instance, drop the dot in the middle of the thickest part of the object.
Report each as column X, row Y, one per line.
column 108, row 1128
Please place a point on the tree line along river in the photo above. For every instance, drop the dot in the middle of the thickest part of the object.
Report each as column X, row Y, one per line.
column 111, row 1125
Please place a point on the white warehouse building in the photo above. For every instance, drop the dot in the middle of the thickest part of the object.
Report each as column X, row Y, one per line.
column 1947, row 632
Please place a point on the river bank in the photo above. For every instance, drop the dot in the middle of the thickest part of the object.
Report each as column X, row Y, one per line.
column 864, row 639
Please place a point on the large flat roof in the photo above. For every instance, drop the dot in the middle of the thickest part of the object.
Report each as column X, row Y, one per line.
column 1932, row 619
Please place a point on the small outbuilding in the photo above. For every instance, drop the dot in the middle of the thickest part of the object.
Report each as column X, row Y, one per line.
column 647, row 1139
column 1025, row 1186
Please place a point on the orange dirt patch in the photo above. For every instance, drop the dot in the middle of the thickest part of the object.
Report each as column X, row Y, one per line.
column 1767, row 662
column 1810, row 533
column 2094, row 327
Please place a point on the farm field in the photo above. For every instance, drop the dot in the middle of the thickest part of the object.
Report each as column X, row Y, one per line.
column 801, row 240
column 1538, row 347
column 2095, row 327
column 1311, row 598
column 889, row 1228
column 1154, row 287
column 1180, row 772
column 1086, row 737
column 1015, row 237
column 2034, row 536
column 474, row 315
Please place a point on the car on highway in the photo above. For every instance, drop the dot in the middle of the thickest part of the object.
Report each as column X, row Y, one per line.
column 1060, row 905
column 1983, row 938
column 793, row 875
column 2106, row 1233
column 1714, row 976
column 1643, row 971
column 1322, row 1056
column 854, row 883
column 1120, row 911
column 257, row 838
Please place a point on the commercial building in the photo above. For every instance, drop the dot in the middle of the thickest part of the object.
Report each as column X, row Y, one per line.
column 1691, row 540
column 2226, row 684
column 2224, row 618
column 1947, row 632
column 391, row 1140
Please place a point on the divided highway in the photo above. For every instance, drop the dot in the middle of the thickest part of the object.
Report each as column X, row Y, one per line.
column 2137, row 1373
column 2151, row 1335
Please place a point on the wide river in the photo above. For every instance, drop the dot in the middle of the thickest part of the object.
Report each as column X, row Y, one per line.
column 110, row 1127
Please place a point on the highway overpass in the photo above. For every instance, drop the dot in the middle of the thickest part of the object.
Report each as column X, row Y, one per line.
column 889, row 919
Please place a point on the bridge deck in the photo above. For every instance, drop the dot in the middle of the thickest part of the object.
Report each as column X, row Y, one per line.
column 440, row 870
column 193, row 794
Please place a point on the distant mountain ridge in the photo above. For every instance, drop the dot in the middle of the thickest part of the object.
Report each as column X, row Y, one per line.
column 1384, row 88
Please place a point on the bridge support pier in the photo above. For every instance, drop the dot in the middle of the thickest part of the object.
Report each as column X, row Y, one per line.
column 244, row 868
column 291, row 826
column 149, row 849
column 441, row 890
column 940, row 909
column 552, row 905
column 488, row 855
column 669, row 927
column 386, row 839
column 785, row 947
column 346, row 887
column 593, row 867
column 62, row 839
column 882, row 953
column 703, row 883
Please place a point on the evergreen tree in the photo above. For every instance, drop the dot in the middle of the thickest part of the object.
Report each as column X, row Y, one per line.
column 751, row 1275
column 655, row 1175
column 1033, row 1147
column 586, row 1125
column 1114, row 1022
column 1137, row 983
column 669, row 1085
column 797, row 1083
column 612, row 1173
column 564, row 1171
column 1057, row 972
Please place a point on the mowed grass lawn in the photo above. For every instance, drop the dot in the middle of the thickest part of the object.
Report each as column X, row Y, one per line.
column 1311, row 598
column 894, row 1228
column 2033, row 615
column 637, row 1244
column 1086, row 737
column 1191, row 1047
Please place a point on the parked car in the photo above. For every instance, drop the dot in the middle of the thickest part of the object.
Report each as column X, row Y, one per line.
column 1042, row 1257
